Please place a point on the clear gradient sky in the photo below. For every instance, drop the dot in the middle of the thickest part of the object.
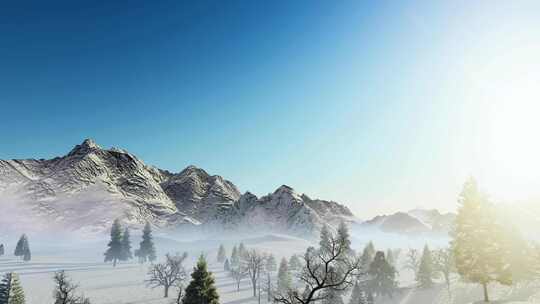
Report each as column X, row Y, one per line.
column 382, row 105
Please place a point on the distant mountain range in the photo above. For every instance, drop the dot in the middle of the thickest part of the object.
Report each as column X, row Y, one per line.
column 413, row 222
column 90, row 186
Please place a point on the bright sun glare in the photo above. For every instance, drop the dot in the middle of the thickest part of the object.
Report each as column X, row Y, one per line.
column 510, row 125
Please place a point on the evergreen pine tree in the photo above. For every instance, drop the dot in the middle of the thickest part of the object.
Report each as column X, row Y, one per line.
column 22, row 246
column 27, row 254
column 222, row 254
column 480, row 252
column 295, row 264
column 344, row 237
column 126, row 246
column 382, row 276
column 201, row 289
column 390, row 257
column 241, row 250
column 147, row 251
column 371, row 249
column 367, row 256
column 235, row 258
column 324, row 242
column 424, row 277
column 114, row 252
column 11, row 291
column 271, row 264
column 227, row 265
column 1, row 249
column 284, row 280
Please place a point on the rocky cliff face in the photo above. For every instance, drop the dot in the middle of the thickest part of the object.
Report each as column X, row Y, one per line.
column 90, row 186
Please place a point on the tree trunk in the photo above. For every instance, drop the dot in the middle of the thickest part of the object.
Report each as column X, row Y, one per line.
column 254, row 283
column 179, row 297
column 447, row 278
column 269, row 291
column 114, row 262
column 486, row 296
column 166, row 291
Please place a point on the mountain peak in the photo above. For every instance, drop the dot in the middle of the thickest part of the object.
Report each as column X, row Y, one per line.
column 191, row 169
column 86, row 146
column 90, row 143
column 284, row 188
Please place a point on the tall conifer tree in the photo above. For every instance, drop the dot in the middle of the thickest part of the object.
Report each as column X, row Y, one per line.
column 479, row 248
column 202, row 287
column 424, row 277
column 284, row 279
column 147, row 251
column 222, row 254
column 22, row 249
column 115, row 250
column 126, row 246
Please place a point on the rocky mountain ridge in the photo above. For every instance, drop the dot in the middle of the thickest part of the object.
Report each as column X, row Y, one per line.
column 90, row 186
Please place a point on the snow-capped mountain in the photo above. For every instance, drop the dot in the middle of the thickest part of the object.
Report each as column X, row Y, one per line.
column 413, row 221
column 286, row 210
column 90, row 186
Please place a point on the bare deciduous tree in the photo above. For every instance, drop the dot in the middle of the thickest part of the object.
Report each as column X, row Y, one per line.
column 444, row 264
column 167, row 274
column 254, row 264
column 237, row 274
column 413, row 261
column 65, row 291
column 332, row 268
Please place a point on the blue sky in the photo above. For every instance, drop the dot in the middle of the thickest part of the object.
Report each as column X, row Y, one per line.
column 381, row 105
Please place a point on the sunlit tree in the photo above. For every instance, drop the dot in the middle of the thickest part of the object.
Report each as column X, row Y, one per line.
column 479, row 245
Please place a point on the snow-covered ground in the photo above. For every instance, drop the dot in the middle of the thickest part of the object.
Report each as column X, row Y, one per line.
column 124, row 284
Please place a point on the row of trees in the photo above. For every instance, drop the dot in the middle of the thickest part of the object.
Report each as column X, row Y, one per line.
column 430, row 265
column 65, row 291
column 259, row 268
column 22, row 249
column 249, row 263
column 119, row 247
column 324, row 274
